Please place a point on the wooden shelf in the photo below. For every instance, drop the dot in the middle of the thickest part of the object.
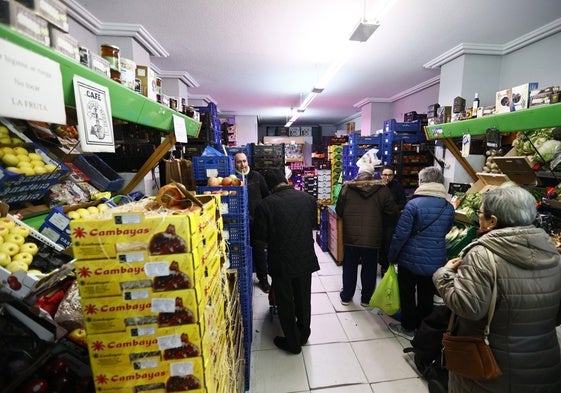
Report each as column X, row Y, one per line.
column 543, row 116
column 126, row 104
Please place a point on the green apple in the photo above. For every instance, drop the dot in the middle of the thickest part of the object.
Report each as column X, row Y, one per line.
column 23, row 256
column 29, row 247
column 9, row 248
column 8, row 222
column 5, row 259
column 21, row 150
column 15, row 266
column 4, row 230
column 14, row 238
column 10, row 159
column 19, row 230
column 73, row 215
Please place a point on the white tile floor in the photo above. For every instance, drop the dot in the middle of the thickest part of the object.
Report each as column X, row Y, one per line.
column 350, row 350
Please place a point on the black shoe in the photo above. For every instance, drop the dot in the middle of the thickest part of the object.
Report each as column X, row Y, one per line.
column 264, row 285
column 282, row 343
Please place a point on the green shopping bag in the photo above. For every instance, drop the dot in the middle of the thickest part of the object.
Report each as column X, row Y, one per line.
column 386, row 295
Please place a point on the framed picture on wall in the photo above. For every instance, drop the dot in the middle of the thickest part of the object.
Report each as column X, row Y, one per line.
column 306, row 131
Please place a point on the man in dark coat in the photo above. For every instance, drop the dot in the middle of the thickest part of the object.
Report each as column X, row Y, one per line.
column 390, row 220
column 362, row 204
column 256, row 191
column 285, row 221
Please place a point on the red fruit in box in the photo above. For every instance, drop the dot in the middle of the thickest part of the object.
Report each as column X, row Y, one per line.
column 35, row 385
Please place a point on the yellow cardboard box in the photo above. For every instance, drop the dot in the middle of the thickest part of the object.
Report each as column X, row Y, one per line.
column 157, row 376
column 95, row 238
column 124, row 349
column 140, row 307
column 111, row 277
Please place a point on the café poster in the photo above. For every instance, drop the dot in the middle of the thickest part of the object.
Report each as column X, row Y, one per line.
column 93, row 109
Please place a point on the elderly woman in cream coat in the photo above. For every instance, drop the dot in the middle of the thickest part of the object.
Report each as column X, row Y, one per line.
column 522, row 333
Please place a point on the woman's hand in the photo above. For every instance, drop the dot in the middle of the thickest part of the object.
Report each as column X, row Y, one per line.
column 453, row 264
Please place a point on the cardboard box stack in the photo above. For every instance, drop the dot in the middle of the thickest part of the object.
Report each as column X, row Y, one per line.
column 153, row 298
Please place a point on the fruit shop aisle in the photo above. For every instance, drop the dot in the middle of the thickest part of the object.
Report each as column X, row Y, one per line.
column 351, row 349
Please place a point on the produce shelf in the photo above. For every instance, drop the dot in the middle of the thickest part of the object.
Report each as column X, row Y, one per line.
column 126, row 104
column 537, row 117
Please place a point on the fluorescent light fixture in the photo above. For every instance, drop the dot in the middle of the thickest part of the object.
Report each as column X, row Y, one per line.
column 292, row 119
column 307, row 101
column 334, row 68
column 363, row 31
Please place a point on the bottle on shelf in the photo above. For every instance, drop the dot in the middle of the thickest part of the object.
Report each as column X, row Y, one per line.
column 475, row 105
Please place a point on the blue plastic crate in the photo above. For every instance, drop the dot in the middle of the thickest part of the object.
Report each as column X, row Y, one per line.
column 237, row 227
column 207, row 166
column 239, row 255
column 356, row 139
column 395, row 126
column 232, row 202
column 101, row 175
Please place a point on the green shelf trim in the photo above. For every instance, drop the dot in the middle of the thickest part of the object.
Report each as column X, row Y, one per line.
column 126, row 104
column 543, row 116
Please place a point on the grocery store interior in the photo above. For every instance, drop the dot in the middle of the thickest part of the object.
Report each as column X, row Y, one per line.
column 125, row 256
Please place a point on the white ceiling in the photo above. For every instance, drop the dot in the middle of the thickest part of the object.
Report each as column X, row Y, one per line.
column 259, row 57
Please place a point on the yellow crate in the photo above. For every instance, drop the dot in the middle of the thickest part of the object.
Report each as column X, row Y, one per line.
column 111, row 277
column 127, row 232
column 157, row 375
column 117, row 349
column 117, row 313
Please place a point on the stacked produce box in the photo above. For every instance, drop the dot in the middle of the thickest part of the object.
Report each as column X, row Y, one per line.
column 152, row 296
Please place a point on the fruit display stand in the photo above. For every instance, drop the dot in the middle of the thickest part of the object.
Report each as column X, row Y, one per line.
column 154, row 282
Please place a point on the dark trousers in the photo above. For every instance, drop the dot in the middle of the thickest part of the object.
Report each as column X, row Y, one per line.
column 293, row 300
column 387, row 234
column 259, row 256
column 352, row 257
column 416, row 297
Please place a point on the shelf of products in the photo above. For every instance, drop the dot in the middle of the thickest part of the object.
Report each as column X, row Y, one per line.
column 543, row 116
column 126, row 104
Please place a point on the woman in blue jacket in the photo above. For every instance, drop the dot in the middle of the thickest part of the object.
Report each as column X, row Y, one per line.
column 419, row 248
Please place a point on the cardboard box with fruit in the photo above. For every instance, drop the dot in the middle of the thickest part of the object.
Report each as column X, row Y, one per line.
column 152, row 375
column 139, row 307
column 119, row 349
column 24, row 260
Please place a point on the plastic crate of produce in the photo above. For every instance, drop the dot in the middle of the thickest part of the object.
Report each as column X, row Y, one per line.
column 236, row 227
column 208, row 166
column 453, row 248
column 233, row 199
column 268, row 150
column 101, row 175
column 16, row 187
column 356, row 139
column 395, row 126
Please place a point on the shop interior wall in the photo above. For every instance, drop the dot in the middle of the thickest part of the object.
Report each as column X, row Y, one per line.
column 417, row 102
column 539, row 62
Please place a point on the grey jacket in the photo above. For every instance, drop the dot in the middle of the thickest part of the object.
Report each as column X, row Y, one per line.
column 523, row 336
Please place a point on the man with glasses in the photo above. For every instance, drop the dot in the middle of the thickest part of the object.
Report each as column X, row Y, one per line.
column 390, row 221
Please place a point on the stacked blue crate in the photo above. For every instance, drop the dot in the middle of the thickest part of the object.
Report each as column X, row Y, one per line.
column 357, row 146
column 235, row 218
column 395, row 131
column 323, row 233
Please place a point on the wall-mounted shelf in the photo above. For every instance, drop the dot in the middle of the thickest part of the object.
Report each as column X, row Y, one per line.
column 126, row 104
column 537, row 117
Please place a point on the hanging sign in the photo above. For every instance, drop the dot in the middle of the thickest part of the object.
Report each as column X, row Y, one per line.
column 466, row 145
column 93, row 109
column 31, row 85
column 179, row 129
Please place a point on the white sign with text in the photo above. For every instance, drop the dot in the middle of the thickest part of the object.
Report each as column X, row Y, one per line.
column 31, row 85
